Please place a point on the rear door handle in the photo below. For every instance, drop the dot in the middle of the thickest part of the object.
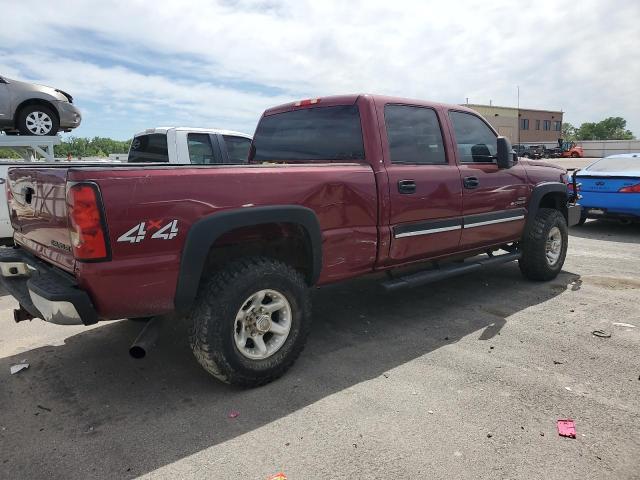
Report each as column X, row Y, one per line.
column 470, row 182
column 406, row 186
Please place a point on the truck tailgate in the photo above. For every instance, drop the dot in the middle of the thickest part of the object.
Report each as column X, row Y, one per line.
column 38, row 213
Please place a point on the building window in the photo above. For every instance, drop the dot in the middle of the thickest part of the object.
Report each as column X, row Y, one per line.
column 537, row 124
column 557, row 126
column 547, row 125
column 524, row 124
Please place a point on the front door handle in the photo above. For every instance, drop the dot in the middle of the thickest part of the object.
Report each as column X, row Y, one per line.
column 406, row 186
column 471, row 182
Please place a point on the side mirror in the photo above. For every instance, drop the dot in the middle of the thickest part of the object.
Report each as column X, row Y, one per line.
column 505, row 157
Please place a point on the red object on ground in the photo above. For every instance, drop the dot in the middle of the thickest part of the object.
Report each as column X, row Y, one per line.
column 278, row 476
column 567, row 428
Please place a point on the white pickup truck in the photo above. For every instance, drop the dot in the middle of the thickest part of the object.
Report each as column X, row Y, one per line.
column 182, row 145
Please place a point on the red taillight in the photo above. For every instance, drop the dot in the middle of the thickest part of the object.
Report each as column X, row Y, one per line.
column 304, row 103
column 86, row 225
column 570, row 185
column 630, row 189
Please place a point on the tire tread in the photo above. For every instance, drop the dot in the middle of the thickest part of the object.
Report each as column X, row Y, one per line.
column 205, row 336
column 533, row 263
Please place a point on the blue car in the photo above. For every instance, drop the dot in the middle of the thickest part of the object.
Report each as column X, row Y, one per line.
column 610, row 188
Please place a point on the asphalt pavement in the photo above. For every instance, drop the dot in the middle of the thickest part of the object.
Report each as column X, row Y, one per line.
column 465, row 378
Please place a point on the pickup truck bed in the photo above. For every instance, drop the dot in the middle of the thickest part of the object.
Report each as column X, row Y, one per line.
column 335, row 188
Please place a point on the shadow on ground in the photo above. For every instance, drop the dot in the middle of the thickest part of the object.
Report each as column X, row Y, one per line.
column 610, row 230
column 86, row 410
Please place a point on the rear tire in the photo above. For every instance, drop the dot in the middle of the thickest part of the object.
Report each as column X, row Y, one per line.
column 237, row 305
column 544, row 246
column 38, row 120
column 574, row 155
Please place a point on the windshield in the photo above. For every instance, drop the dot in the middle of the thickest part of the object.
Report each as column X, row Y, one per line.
column 149, row 148
column 620, row 164
column 310, row 134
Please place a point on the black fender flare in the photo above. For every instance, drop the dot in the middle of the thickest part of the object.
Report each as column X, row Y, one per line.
column 204, row 233
column 539, row 191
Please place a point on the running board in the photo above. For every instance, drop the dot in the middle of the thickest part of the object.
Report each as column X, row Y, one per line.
column 433, row 275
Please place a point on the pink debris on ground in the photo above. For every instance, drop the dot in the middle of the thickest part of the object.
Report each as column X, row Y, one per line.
column 567, row 428
column 233, row 414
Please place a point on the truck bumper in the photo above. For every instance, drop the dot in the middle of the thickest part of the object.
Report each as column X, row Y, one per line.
column 44, row 291
column 573, row 214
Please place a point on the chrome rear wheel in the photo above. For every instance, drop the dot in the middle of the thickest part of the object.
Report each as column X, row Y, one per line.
column 262, row 324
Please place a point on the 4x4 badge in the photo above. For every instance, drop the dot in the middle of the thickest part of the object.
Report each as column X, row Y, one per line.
column 139, row 232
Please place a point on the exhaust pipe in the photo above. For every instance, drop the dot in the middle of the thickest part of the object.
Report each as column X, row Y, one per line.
column 147, row 338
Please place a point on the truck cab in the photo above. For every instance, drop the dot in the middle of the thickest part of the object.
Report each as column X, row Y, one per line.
column 184, row 145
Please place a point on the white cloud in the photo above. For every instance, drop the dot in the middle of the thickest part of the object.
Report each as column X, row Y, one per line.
column 200, row 62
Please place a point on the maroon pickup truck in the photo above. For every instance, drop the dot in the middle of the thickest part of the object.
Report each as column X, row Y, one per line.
column 334, row 188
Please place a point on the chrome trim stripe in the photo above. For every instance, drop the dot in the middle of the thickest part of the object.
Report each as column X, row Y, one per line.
column 491, row 222
column 428, row 231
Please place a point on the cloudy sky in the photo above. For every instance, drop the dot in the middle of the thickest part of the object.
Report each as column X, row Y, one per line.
column 132, row 65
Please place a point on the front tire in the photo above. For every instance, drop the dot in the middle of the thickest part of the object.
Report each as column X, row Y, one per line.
column 250, row 321
column 38, row 120
column 544, row 246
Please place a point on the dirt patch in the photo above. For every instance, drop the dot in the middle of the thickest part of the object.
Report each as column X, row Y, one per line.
column 612, row 283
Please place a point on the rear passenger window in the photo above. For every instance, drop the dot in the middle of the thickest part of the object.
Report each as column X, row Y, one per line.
column 149, row 148
column 238, row 148
column 475, row 140
column 414, row 135
column 200, row 149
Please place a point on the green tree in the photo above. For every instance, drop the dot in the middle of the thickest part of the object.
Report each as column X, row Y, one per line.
column 94, row 147
column 568, row 131
column 80, row 147
column 611, row 128
column 8, row 153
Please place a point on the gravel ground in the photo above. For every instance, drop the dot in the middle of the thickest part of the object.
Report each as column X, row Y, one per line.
column 461, row 379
